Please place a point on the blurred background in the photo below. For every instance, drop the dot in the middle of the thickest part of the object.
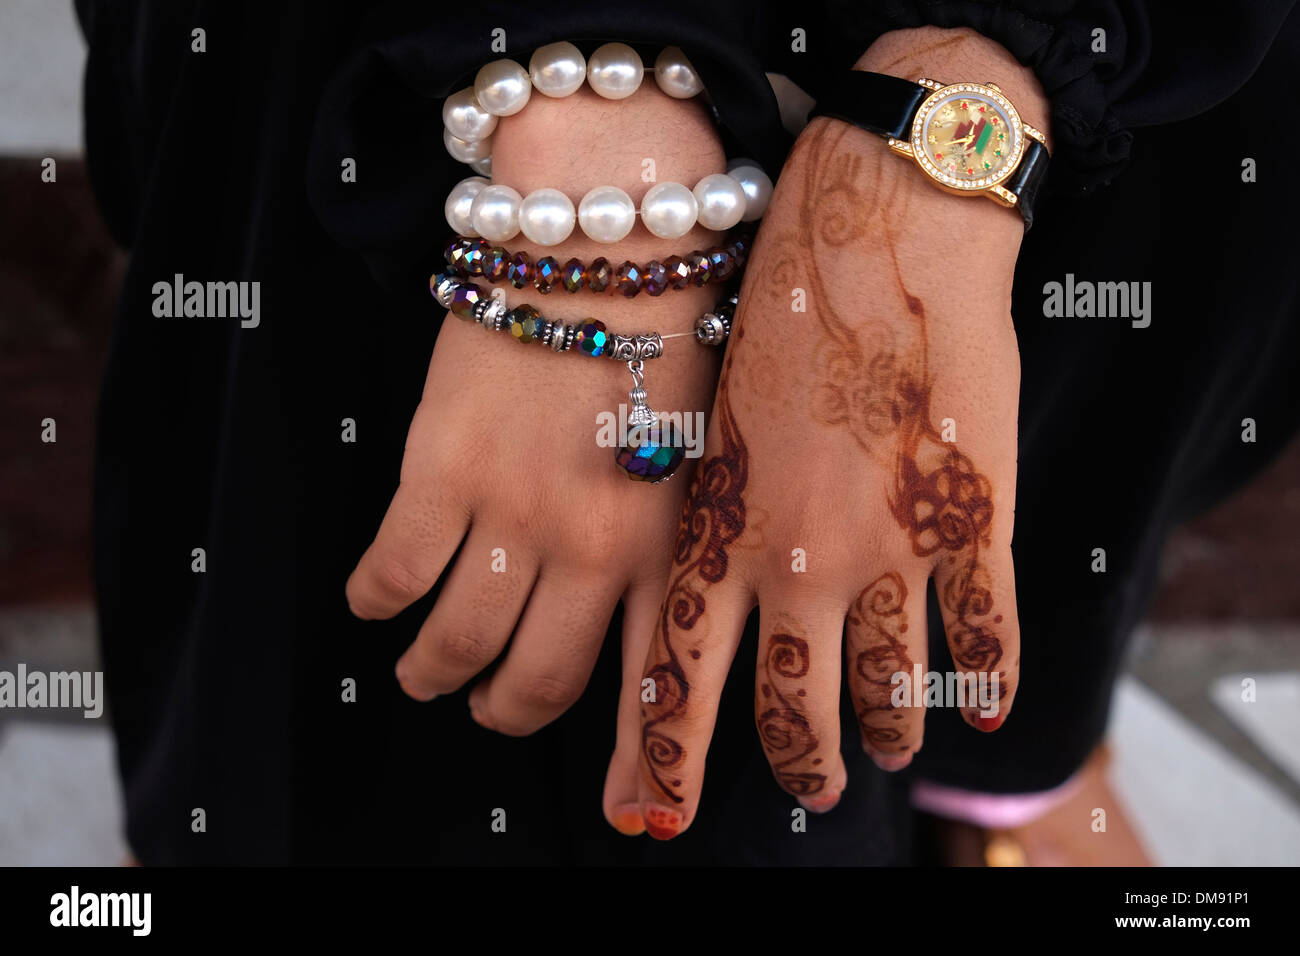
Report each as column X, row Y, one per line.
column 1206, row 778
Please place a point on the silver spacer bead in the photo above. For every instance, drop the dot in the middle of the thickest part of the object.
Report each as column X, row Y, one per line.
column 712, row 329
column 491, row 314
column 442, row 292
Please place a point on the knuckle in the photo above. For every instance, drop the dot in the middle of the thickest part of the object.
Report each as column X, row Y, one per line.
column 467, row 648
column 399, row 580
column 548, row 693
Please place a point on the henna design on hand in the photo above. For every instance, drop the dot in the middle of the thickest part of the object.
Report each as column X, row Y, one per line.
column 712, row 518
column 878, row 386
column 878, row 609
column 786, row 727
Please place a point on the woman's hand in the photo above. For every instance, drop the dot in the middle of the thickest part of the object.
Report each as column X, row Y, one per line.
column 503, row 471
column 856, row 450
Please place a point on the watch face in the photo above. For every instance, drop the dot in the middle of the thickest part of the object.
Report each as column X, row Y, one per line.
column 967, row 136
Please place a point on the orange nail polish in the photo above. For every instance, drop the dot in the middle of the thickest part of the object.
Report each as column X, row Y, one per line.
column 988, row 724
column 821, row 804
column 662, row 823
column 629, row 822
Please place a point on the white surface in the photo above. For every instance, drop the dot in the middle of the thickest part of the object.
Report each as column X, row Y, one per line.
column 42, row 58
column 1192, row 802
column 1272, row 720
column 59, row 798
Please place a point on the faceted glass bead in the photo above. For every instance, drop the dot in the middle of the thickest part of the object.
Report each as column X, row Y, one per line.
column 464, row 299
column 455, row 252
column 678, row 272
column 573, row 275
column 654, row 278
column 520, row 272
column 652, row 453
column 591, row 338
column 525, row 323
column 547, row 275
column 474, row 255
column 739, row 249
column 701, row 268
column 628, row 279
column 599, row 274
column 721, row 263
column 455, row 256
column 495, row 263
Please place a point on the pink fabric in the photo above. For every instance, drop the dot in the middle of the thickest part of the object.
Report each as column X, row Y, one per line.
column 992, row 811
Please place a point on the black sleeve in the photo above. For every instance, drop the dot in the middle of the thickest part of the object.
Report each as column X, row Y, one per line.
column 1161, row 61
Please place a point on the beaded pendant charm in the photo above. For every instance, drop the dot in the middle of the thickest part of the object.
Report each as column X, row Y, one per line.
column 653, row 450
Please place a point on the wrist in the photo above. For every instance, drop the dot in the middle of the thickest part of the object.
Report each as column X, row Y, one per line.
column 960, row 55
column 579, row 142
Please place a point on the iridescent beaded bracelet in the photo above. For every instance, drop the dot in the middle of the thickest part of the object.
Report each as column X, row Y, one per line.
column 467, row 256
column 651, row 452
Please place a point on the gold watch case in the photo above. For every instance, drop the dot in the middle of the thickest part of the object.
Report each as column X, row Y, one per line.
column 968, row 138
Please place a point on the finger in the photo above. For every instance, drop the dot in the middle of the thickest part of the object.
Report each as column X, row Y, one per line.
column 797, row 697
column 473, row 618
column 977, row 593
column 551, row 657
column 418, row 536
column 621, row 803
column 697, row 631
column 886, row 637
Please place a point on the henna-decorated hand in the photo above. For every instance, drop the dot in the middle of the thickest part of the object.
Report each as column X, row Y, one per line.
column 874, row 433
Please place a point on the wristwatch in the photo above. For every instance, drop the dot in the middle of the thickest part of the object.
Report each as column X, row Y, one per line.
column 967, row 137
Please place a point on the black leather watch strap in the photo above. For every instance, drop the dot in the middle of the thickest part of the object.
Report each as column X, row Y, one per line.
column 1027, row 179
column 886, row 105
column 875, row 101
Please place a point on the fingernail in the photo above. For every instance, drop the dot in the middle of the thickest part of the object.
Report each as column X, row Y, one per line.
column 820, row 804
column 476, row 712
column 890, row 762
column 989, row 724
column 627, row 820
column 660, row 822
column 407, row 688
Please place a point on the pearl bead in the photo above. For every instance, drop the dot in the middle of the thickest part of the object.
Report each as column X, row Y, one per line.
column 607, row 214
column 459, row 202
column 495, row 213
column 464, row 152
column 722, row 201
column 503, row 87
column 546, row 217
column 669, row 210
column 482, row 166
column 465, row 118
column 615, row 71
column 675, row 75
column 758, row 190
column 557, row 69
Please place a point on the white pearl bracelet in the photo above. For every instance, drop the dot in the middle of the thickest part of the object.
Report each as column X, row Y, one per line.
column 477, row 207
column 503, row 88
